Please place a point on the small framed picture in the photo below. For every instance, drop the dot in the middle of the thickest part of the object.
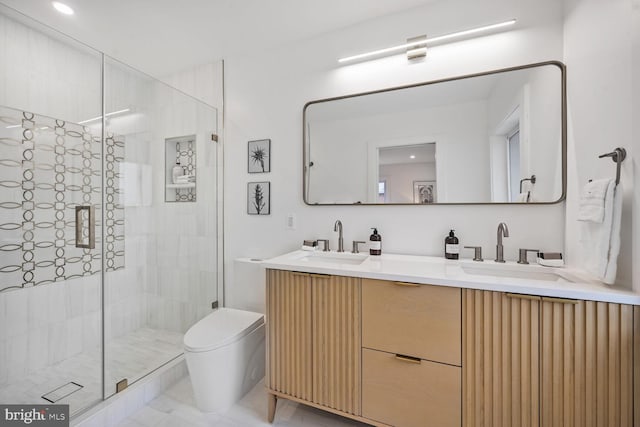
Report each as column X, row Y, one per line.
column 259, row 156
column 424, row 192
column 259, row 198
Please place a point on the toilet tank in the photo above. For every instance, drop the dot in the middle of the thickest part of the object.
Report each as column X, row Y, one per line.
column 247, row 292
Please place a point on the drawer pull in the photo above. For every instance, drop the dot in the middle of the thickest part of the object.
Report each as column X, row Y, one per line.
column 523, row 296
column 560, row 300
column 413, row 285
column 408, row 359
column 319, row 276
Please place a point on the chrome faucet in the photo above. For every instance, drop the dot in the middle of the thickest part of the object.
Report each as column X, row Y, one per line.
column 503, row 231
column 338, row 227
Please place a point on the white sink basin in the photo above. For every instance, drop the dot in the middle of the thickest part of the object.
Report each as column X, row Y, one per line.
column 331, row 257
column 516, row 272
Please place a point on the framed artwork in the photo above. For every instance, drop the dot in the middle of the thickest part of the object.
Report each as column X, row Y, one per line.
column 259, row 156
column 259, row 198
column 424, row 192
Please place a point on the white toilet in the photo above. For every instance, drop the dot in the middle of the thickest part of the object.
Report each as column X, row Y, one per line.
column 225, row 351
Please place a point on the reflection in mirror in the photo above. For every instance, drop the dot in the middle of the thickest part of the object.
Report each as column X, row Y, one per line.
column 496, row 137
column 406, row 173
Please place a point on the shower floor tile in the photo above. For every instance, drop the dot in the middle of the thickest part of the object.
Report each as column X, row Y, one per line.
column 130, row 356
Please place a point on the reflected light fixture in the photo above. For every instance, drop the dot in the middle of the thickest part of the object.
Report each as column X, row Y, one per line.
column 412, row 156
column 412, row 44
column 62, row 8
column 113, row 113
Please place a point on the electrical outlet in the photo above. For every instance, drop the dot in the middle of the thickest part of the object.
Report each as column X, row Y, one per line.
column 291, row 221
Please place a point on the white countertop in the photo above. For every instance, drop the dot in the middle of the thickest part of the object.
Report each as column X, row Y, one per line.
column 439, row 271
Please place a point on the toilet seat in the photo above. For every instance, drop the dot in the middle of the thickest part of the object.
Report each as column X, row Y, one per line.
column 220, row 328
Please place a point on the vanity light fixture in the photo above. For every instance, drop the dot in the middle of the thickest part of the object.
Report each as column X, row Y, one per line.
column 62, row 8
column 418, row 42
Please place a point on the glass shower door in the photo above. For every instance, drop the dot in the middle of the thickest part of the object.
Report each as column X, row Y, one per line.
column 50, row 260
column 160, row 221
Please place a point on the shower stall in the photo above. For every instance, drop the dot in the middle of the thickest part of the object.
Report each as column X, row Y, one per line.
column 106, row 256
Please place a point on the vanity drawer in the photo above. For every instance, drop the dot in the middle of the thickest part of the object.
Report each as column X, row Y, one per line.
column 422, row 321
column 405, row 393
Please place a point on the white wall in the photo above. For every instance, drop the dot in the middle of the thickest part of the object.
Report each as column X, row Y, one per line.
column 399, row 179
column 40, row 74
column 601, row 107
column 205, row 82
column 265, row 94
column 340, row 150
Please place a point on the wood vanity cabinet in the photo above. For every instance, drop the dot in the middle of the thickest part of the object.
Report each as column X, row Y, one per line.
column 500, row 359
column 313, row 340
column 411, row 354
column 586, row 363
column 530, row 360
column 405, row 368
column 401, row 354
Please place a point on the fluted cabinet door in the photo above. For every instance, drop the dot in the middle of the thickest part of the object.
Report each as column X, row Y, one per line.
column 336, row 342
column 587, row 363
column 500, row 359
column 289, row 343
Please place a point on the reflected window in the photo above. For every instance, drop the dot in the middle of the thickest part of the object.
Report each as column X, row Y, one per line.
column 382, row 191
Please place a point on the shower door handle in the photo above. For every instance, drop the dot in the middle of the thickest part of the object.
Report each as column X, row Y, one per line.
column 86, row 241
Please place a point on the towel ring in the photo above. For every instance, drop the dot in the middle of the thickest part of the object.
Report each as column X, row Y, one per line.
column 618, row 155
column 532, row 179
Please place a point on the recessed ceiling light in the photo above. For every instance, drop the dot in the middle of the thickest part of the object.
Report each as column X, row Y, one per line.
column 412, row 156
column 62, row 8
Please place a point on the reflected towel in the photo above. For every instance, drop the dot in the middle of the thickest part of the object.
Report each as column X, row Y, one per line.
column 524, row 197
column 600, row 241
column 592, row 200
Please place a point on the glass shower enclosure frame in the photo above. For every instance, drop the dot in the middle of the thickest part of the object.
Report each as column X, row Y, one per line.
column 106, row 259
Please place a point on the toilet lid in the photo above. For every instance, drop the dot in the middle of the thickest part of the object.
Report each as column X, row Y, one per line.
column 222, row 327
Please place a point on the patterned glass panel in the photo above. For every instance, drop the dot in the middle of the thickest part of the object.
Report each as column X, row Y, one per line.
column 47, row 168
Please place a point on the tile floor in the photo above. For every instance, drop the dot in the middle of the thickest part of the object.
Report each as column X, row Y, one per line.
column 176, row 408
column 130, row 356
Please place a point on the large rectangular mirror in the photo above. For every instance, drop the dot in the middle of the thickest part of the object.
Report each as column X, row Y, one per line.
column 494, row 137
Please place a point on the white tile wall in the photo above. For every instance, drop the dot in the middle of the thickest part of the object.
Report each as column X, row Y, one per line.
column 170, row 273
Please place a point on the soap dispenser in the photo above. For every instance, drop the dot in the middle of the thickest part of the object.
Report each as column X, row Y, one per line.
column 451, row 246
column 176, row 172
column 375, row 245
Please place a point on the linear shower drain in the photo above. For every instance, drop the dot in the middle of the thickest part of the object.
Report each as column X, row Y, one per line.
column 61, row 392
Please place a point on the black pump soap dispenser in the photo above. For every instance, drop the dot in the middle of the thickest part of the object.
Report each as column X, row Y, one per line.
column 451, row 246
column 375, row 245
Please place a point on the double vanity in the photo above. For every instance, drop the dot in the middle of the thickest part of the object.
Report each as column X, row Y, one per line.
column 399, row 340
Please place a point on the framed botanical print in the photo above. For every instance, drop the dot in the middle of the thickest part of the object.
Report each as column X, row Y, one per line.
column 259, row 156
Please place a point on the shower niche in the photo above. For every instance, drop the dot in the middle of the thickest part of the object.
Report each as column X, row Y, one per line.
column 180, row 169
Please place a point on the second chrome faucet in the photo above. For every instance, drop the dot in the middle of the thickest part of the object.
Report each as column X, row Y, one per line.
column 338, row 227
column 503, row 231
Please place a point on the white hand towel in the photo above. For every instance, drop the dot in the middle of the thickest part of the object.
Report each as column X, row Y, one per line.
column 524, row 197
column 614, row 245
column 597, row 240
column 592, row 201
